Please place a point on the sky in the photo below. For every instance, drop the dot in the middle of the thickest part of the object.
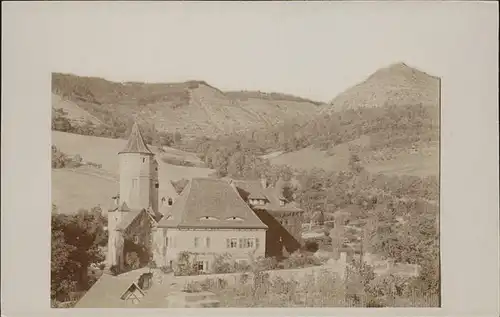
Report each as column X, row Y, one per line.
column 310, row 49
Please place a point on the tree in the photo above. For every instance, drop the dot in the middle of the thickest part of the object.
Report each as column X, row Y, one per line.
column 74, row 248
column 132, row 260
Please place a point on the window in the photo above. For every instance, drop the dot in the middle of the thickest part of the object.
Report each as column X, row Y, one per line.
column 256, row 243
column 232, row 243
column 207, row 242
column 167, row 241
column 282, row 202
column 196, row 242
column 246, row 243
column 170, row 201
column 250, row 243
column 235, row 218
column 199, row 265
column 171, row 263
column 143, row 160
column 163, row 200
column 156, row 169
column 157, row 185
column 136, row 239
column 134, row 183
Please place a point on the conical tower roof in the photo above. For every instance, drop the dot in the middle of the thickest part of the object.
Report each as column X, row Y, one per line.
column 136, row 142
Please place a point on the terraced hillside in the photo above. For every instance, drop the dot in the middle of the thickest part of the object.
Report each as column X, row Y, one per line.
column 193, row 108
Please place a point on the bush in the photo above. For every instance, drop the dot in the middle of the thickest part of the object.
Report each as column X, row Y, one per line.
column 266, row 264
column 311, row 246
column 299, row 260
column 115, row 270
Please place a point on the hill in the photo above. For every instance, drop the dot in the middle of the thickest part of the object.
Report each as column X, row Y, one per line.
column 390, row 122
column 77, row 114
column 397, row 84
column 193, row 108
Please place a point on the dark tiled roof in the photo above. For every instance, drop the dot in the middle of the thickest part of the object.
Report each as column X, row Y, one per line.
column 272, row 194
column 108, row 289
column 136, row 142
column 127, row 219
column 250, row 189
column 213, row 198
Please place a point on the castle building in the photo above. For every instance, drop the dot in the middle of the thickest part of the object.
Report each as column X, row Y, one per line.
column 210, row 217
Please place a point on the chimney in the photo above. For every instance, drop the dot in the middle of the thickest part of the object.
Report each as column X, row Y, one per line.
column 263, row 181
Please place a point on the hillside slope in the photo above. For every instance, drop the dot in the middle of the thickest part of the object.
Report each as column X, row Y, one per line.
column 87, row 187
column 193, row 108
column 397, row 84
column 73, row 111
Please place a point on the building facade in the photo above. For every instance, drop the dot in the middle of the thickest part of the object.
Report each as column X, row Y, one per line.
column 209, row 219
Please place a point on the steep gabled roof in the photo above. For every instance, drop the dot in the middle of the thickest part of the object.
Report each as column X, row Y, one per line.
column 213, row 199
column 108, row 289
column 127, row 219
column 250, row 189
column 136, row 142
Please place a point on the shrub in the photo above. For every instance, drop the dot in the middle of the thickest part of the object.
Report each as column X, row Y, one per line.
column 184, row 265
column 222, row 264
column 266, row 264
column 114, row 269
column 299, row 260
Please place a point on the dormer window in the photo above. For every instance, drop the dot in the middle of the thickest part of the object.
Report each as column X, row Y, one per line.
column 282, row 202
column 170, row 201
column 235, row 218
column 208, row 218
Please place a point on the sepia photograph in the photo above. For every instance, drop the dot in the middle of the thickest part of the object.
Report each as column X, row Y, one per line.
column 185, row 193
column 255, row 155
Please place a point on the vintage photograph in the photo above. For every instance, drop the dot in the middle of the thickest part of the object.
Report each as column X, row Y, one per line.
column 260, row 158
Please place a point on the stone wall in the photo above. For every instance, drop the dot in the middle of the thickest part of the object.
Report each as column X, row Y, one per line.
column 298, row 275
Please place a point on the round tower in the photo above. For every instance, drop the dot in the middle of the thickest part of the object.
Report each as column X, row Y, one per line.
column 138, row 190
column 138, row 173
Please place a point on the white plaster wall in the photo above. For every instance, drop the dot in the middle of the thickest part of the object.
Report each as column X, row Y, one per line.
column 183, row 240
column 139, row 170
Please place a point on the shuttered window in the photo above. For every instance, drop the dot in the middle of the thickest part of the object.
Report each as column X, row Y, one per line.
column 232, row 243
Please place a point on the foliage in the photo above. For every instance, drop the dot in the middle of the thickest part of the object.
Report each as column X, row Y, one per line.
column 74, row 247
column 115, row 270
column 298, row 260
column 132, row 260
column 184, row 265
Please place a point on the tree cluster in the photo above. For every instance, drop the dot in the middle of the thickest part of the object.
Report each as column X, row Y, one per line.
column 76, row 242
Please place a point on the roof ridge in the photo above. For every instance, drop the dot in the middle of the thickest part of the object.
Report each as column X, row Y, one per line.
column 135, row 143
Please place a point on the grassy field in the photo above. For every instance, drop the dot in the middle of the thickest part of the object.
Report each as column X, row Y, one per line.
column 104, row 151
column 422, row 162
column 86, row 187
column 72, row 190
